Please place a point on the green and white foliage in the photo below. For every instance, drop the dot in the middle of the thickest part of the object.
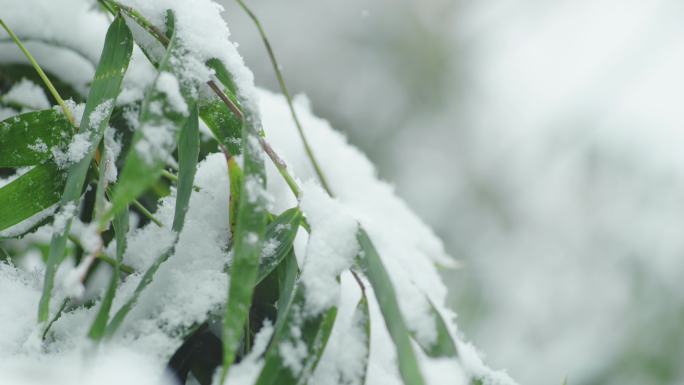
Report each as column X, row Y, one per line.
column 168, row 221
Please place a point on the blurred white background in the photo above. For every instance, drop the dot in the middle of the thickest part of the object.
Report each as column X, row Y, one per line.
column 544, row 142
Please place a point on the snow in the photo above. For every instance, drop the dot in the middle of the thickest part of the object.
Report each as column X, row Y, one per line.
column 168, row 84
column 65, row 214
column 340, row 362
column 247, row 371
column 205, row 40
column 192, row 284
column 408, row 248
column 27, row 94
column 100, row 113
column 78, row 147
column 39, row 146
column 15, row 316
column 111, row 154
column 331, row 249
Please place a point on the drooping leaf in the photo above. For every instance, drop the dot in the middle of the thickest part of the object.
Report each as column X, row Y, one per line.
column 26, row 139
column 280, row 235
column 106, row 85
column 362, row 318
column 247, row 241
column 389, row 306
column 161, row 118
column 30, row 194
column 190, row 143
column 444, row 345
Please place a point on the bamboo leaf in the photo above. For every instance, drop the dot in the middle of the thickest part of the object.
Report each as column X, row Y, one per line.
column 387, row 300
column 278, row 240
column 188, row 152
column 362, row 317
column 189, row 147
column 222, row 75
column 30, row 194
column 235, row 175
column 444, row 346
column 247, row 241
column 104, row 89
column 287, row 271
column 225, row 126
column 120, row 230
column 161, row 117
column 26, row 139
column 223, row 123
column 298, row 331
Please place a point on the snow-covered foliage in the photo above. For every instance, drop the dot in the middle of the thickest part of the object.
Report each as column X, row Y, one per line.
column 100, row 293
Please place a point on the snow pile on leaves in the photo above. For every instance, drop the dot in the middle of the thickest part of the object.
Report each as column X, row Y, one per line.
column 192, row 283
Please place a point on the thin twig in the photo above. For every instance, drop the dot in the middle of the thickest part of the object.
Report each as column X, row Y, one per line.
column 284, row 90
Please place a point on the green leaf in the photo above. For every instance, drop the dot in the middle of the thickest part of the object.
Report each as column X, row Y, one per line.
column 146, row 279
column 278, row 240
column 444, row 346
column 222, row 75
column 27, row 139
column 120, row 230
column 104, row 89
column 160, row 119
column 387, row 300
column 362, row 316
column 225, row 126
column 247, row 243
column 235, row 175
column 30, row 194
column 222, row 122
column 287, row 271
column 298, row 330
column 188, row 151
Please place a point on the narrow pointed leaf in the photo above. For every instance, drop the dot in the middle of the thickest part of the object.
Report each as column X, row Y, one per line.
column 362, row 318
column 26, row 139
column 278, row 240
column 444, row 346
column 120, row 230
column 161, row 118
column 30, row 194
column 235, row 175
column 188, row 152
column 247, row 242
column 298, row 331
column 223, row 123
column 287, row 271
column 106, row 85
column 389, row 306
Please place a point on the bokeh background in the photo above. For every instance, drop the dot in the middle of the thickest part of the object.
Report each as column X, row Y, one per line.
column 542, row 140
